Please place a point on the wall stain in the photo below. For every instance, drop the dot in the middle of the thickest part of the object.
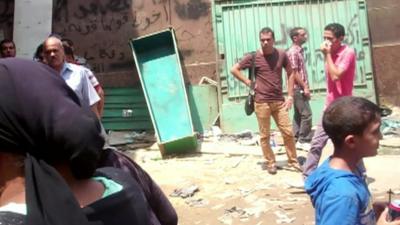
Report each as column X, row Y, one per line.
column 192, row 10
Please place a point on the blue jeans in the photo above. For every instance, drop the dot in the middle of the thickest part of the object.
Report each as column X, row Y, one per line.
column 318, row 142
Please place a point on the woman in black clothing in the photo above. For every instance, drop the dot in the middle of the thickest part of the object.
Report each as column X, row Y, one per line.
column 49, row 150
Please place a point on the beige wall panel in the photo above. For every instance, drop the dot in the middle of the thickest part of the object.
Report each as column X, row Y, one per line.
column 387, row 67
column 101, row 30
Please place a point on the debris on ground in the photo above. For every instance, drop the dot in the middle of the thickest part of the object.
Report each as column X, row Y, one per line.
column 234, row 212
column 199, row 202
column 234, row 186
column 390, row 126
column 236, row 164
column 185, row 192
column 132, row 139
column 283, row 217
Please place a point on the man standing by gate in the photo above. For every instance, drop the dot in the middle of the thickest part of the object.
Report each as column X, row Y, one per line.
column 340, row 68
column 302, row 117
column 269, row 99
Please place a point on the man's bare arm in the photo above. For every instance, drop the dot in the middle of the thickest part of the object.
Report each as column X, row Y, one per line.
column 235, row 71
column 334, row 72
column 301, row 83
column 290, row 77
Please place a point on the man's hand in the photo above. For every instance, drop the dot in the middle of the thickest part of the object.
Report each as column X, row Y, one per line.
column 247, row 82
column 326, row 47
column 382, row 219
column 288, row 102
column 307, row 93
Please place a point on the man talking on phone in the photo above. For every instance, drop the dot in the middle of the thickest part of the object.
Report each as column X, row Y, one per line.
column 340, row 68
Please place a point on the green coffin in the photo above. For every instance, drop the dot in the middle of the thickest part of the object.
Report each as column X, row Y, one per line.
column 160, row 73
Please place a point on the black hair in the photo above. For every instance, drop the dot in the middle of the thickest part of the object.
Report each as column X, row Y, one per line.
column 68, row 41
column 267, row 30
column 295, row 31
column 348, row 116
column 6, row 41
column 67, row 49
column 336, row 28
column 38, row 53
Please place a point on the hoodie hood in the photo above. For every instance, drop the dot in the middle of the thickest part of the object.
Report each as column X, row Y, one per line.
column 318, row 181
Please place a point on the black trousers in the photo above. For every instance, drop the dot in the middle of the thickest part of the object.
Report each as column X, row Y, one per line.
column 302, row 117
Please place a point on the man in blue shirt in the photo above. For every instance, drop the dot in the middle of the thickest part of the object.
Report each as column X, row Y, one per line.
column 74, row 75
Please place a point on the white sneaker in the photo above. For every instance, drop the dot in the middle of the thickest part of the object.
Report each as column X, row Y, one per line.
column 303, row 146
column 295, row 183
column 306, row 146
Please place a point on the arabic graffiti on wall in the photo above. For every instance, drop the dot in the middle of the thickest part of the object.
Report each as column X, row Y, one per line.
column 102, row 29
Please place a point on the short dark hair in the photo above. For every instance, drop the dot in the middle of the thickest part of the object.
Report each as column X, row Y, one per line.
column 336, row 28
column 295, row 31
column 38, row 53
column 68, row 41
column 267, row 30
column 6, row 41
column 68, row 50
column 348, row 116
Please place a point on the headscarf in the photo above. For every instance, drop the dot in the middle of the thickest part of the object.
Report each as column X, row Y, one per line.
column 41, row 117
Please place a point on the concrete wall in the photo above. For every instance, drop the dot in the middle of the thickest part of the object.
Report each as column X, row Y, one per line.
column 102, row 29
column 384, row 23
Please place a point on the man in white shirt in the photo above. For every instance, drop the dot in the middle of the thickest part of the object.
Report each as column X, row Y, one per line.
column 74, row 75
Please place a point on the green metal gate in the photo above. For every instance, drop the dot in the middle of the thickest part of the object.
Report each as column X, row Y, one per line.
column 236, row 28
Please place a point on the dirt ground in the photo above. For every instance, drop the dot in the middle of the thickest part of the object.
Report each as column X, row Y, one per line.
column 232, row 189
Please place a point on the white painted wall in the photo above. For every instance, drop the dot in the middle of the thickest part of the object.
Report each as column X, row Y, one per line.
column 32, row 24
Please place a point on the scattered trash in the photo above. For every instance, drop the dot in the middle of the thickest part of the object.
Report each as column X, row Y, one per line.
column 234, row 212
column 297, row 199
column 225, row 195
column 262, row 187
column 142, row 139
column 295, row 183
column 286, row 207
column 390, row 127
column 228, row 181
column 216, row 131
column 208, row 80
column 301, row 160
column 226, row 219
column 249, row 142
column 256, row 211
column 283, row 217
column 218, row 206
column 185, row 192
column 244, row 192
column 236, row 164
column 196, row 202
column 237, row 212
column 244, row 134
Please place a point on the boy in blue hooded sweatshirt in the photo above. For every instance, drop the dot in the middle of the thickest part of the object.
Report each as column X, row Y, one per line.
column 337, row 189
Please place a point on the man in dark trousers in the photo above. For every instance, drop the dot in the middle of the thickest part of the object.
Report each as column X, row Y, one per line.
column 302, row 117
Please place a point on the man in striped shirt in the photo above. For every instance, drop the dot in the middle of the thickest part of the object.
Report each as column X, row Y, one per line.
column 302, row 117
